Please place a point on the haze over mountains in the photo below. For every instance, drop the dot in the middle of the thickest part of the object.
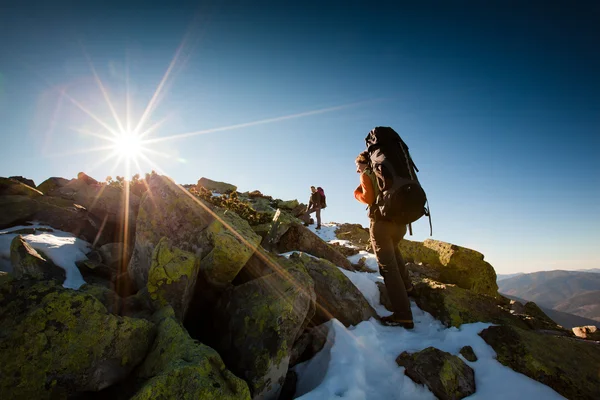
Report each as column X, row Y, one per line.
column 572, row 292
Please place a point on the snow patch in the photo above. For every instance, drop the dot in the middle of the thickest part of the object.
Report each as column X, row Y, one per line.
column 62, row 248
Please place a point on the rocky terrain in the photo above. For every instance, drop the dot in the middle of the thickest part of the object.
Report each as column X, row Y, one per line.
column 205, row 292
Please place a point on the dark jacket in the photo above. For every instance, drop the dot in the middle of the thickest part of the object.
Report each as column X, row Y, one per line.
column 315, row 200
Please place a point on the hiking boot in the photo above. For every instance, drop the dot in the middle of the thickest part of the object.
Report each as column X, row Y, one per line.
column 392, row 320
column 305, row 224
column 318, row 227
column 410, row 291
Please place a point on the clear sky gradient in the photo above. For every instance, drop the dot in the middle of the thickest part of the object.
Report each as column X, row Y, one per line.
column 498, row 101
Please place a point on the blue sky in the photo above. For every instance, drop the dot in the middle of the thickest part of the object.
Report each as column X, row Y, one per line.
column 499, row 104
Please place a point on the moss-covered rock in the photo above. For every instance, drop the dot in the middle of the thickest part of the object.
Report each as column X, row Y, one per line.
column 287, row 204
column 12, row 187
column 337, row 297
column 233, row 243
column 222, row 240
column 355, row 233
column 179, row 367
column 455, row 306
column 259, row 322
column 114, row 207
column 458, row 265
column 172, row 277
column 58, row 213
column 52, row 184
column 446, row 375
column 57, row 341
column 282, row 221
column 22, row 179
column 27, row 262
column 262, row 204
column 567, row 365
column 468, row 353
column 115, row 255
column 288, row 234
column 219, row 187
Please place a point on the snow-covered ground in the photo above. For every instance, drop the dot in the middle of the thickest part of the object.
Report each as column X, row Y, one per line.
column 61, row 247
column 359, row 362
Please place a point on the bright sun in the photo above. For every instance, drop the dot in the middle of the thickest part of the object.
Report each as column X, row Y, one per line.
column 128, row 145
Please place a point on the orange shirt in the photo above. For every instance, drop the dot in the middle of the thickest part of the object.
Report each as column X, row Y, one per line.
column 365, row 193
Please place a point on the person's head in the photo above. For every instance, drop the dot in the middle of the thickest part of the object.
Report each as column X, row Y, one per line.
column 313, row 189
column 362, row 162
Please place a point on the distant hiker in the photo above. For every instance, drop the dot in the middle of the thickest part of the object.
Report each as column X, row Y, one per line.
column 394, row 201
column 315, row 204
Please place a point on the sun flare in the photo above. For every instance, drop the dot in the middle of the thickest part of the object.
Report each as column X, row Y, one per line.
column 128, row 145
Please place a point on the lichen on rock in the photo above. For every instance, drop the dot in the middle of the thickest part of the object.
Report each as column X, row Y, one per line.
column 172, row 277
column 337, row 297
column 179, row 367
column 259, row 322
column 567, row 365
column 58, row 341
column 446, row 375
column 457, row 265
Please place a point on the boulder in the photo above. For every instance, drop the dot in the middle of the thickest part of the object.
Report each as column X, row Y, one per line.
column 115, row 255
column 24, row 180
column 29, row 263
column 337, row 297
column 281, row 223
column 214, row 186
column 262, row 204
column 446, row 375
column 589, row 332
column 94, row 267
column 288, row 234
column 355, row 234
column 222, row 240
column 458, row 265
column 136, row 306
column 111, row 205
column 13, row 187
column 172, row 277
column 57, row 342
column 259, row 322
column 455, row 306
column 468, row 353
column 345, row 250
column 59, row 213
column 52, row 184
column 179, row 367
column 309, row 343
column 287, row 205
column 567, row 365
column 261, row 263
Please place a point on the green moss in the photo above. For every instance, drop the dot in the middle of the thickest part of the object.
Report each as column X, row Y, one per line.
column 567, row 365
column 63, row 335
column 179, row 367
column 191, row 382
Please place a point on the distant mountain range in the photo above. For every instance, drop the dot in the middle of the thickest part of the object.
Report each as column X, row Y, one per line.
column 571, row 292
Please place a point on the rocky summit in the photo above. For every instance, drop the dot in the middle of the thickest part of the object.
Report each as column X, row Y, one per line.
column 201, row 292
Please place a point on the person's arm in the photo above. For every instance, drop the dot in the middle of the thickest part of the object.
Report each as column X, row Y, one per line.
column 365, row 192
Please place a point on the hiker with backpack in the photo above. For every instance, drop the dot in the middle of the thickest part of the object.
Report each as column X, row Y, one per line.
column 315, row 204
column 395, row 199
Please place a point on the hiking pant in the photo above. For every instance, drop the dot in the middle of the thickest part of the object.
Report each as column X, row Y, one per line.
column 385, row 238
column 317, row 211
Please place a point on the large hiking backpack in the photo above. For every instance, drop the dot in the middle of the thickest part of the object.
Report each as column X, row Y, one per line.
column 323, row 199
column 401, row 198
